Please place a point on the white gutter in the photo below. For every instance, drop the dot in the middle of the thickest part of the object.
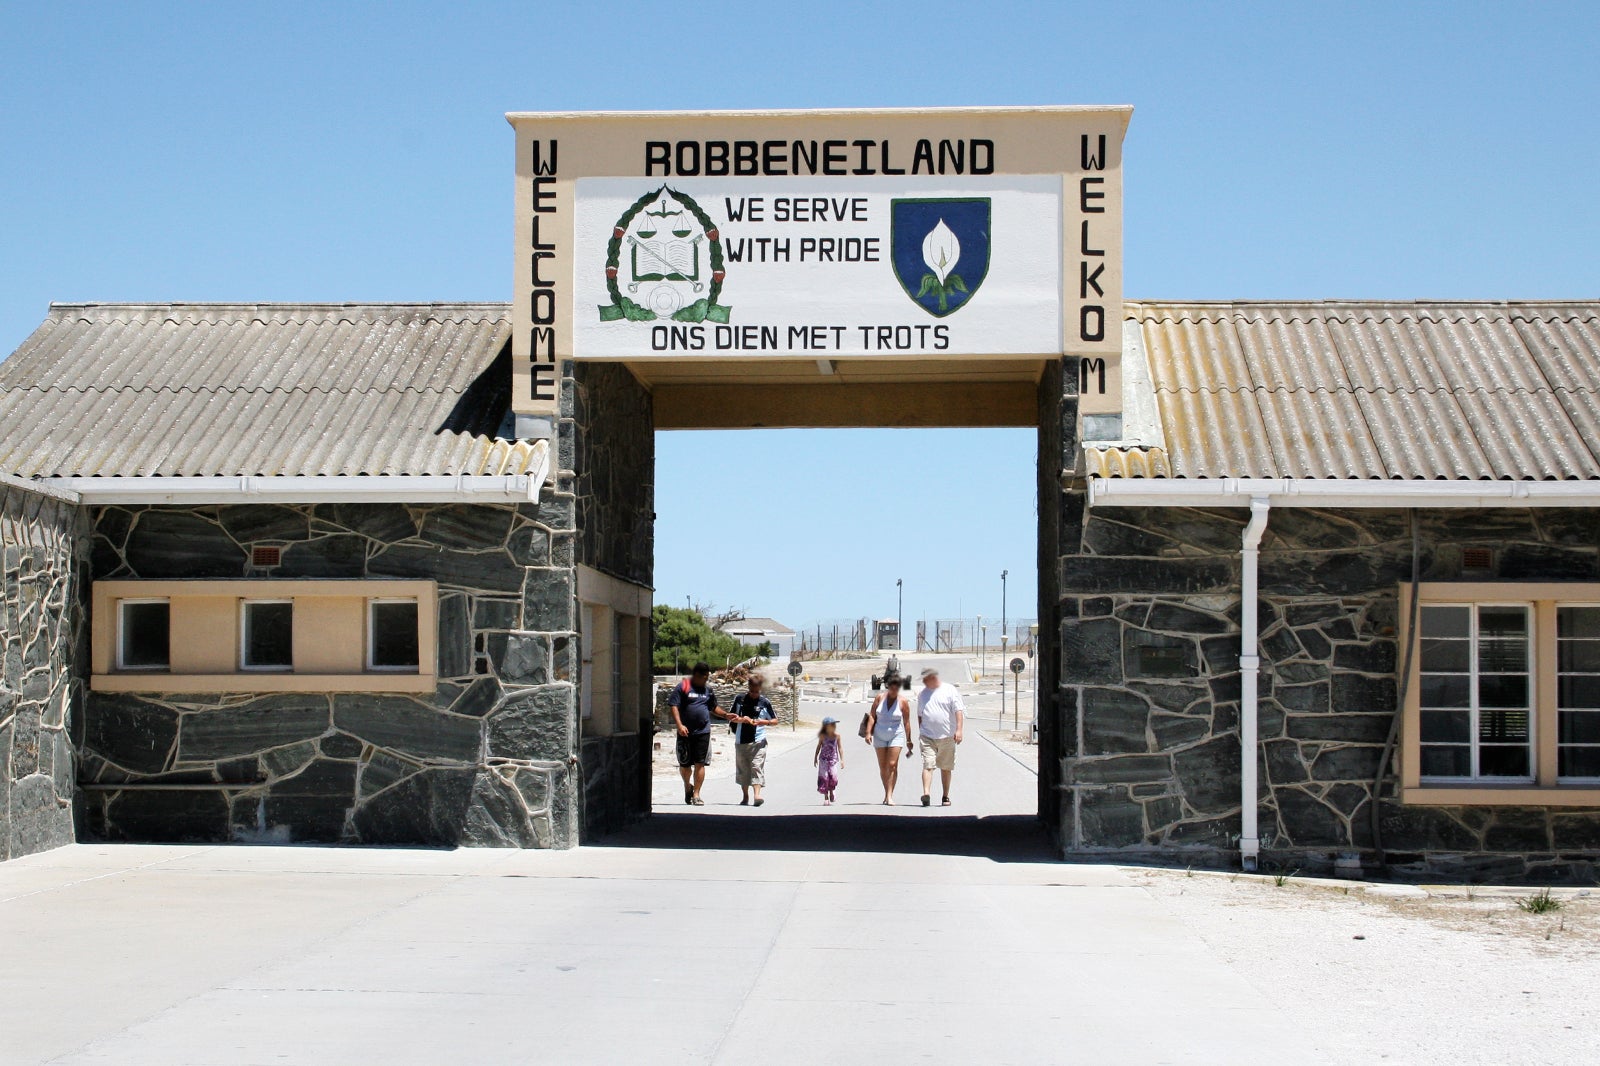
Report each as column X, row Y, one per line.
column 447, row 488
column 43, row 488
column 1249, row 672
column 1338, row 492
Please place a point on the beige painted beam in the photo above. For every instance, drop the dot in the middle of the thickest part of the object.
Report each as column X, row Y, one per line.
column 932, row 404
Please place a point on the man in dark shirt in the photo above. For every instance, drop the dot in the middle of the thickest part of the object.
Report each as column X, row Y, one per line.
column 692, row 703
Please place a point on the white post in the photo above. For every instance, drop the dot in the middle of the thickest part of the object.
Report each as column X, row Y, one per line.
column 1249, row 671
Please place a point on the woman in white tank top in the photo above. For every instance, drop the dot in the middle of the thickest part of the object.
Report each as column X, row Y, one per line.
column 889, row 732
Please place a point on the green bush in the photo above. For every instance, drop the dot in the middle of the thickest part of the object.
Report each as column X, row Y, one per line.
column 683, row 638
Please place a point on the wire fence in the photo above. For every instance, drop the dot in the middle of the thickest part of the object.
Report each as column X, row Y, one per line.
column 857, row 636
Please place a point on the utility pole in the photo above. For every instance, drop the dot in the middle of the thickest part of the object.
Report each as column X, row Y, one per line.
column 899, row 610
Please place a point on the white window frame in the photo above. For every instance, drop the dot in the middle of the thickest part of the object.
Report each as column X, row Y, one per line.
column 1556, row 639
column 373, row 601
column 1547, row 789
column 122, row 629
column 245, row 666
column 1531, row 669
column 586, row 645
column 618, row 620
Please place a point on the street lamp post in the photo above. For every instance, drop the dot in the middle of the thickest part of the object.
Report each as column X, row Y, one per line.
column 980, row 626
column 1000, row 724
column 1003, row 575
column 983, row 660
column 899, row 610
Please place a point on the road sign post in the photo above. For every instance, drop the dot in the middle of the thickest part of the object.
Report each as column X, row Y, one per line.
column 1017, row 666
column 795, row 670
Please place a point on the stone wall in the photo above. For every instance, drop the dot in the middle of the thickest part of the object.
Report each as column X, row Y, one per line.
column 1150, row 651
column 42, row 639
column 780, row 694
column 1058, row 512
column 488, row 758
column 606, row 455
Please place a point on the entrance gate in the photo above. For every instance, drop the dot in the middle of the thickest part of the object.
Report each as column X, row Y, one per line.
column 888, row 268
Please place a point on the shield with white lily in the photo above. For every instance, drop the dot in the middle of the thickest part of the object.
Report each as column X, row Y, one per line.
column 940, row 250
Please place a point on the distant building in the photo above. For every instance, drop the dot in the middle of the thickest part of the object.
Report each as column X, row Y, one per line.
column 763, row 631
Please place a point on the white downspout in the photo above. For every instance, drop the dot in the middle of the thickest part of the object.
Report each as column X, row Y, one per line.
column 1249, row 670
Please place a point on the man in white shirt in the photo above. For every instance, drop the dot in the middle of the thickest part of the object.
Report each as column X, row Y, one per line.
column 941, row 718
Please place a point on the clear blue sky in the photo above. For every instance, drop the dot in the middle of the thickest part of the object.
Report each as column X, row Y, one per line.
column 357, row 152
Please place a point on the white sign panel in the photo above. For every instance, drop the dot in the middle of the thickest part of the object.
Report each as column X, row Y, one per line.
column 875, row 266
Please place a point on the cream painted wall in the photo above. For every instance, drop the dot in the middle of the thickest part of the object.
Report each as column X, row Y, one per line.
column 330, row 636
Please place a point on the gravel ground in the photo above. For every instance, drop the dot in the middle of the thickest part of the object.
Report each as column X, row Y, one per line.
column 1399, row 974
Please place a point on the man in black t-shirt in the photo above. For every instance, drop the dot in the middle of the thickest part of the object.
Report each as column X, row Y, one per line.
column 692, row 704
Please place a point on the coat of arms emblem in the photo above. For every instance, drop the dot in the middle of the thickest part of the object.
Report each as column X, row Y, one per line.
column 940, row 250
column 664, row 261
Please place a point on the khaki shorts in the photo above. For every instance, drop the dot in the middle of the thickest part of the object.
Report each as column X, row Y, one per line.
column 939, row 754
column 750, row 764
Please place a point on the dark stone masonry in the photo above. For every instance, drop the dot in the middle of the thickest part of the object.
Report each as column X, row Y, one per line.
column 492, row 757
column 43, row 636
column 1148, row 701
column 606, row 458
column 487, row 758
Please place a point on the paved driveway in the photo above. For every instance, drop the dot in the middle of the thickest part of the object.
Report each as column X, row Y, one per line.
column 720, row 934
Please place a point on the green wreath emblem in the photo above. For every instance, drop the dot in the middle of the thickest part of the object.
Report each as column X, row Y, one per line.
column 705, row 309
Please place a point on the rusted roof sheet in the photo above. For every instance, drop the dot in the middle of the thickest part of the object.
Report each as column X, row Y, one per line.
column 261, row 389
column 1370, row 390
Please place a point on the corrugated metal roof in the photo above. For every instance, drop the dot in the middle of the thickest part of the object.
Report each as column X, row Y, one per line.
column 1369, row 390
column 261, row 389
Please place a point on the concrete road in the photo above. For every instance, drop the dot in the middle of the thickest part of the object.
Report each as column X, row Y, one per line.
column 855, row 933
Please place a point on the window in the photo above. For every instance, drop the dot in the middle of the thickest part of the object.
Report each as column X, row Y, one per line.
column 587, row 641
column 1503, row 705
column 393, row 637
column 266, row 635
column 144, row 635
column 1476, row 692
column 263, row 635
column 616, row 671
column 1578, row 692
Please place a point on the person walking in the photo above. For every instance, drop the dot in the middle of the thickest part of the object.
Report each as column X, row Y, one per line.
column 828, row 759
column 692, row 703
column 751, row 710
column 941, row 720
column 887, row 732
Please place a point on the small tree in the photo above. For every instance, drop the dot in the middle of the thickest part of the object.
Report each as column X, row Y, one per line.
column 683, row 638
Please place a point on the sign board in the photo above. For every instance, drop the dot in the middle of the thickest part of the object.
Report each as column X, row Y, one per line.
column 795, row 669
column 918, row 234
column 1017, row 666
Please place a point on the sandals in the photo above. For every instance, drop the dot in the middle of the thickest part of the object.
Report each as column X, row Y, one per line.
column 945, row 802
column 698, row 802
column 926, row 799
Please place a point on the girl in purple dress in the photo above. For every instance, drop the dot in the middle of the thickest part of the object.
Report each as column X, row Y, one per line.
column 828, row 759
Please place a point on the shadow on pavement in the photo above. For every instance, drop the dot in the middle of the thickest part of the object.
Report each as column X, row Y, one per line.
column 1000, row 838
